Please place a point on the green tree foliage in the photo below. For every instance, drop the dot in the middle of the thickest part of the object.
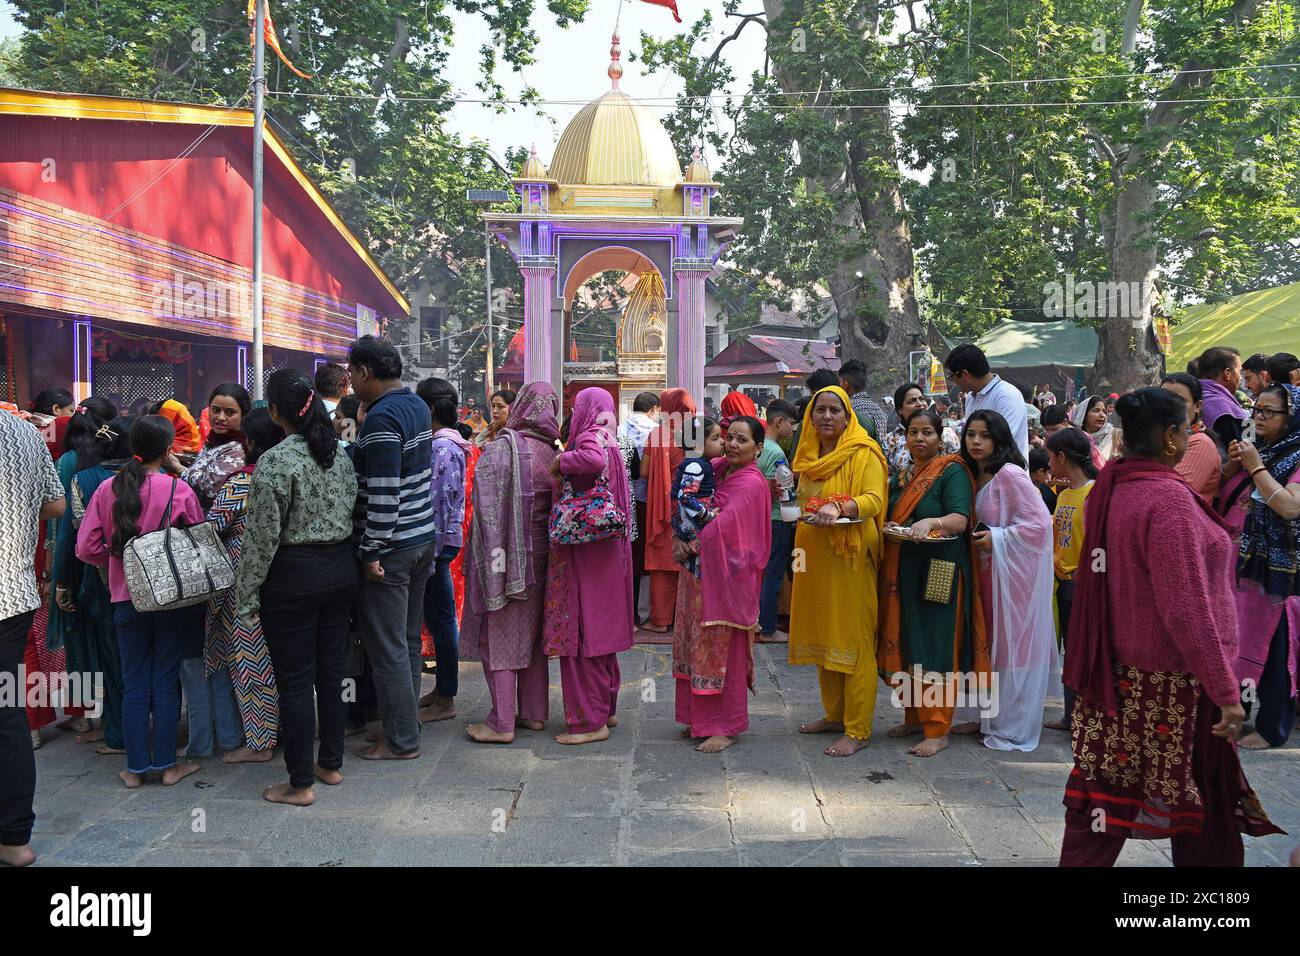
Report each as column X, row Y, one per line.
column 371, row 125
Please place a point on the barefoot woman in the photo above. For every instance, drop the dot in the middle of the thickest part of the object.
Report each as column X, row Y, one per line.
column 834, row 605
column 940, row 629
column 506, row 561
column 717, row 613
column 588, row 603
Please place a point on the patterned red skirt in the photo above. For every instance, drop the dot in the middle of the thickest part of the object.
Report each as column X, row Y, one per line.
column 1155, row 769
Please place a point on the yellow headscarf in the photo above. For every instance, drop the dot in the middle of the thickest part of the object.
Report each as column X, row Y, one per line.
column 843, row 470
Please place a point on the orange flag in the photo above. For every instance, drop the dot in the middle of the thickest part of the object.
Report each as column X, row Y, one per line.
column 271, row 37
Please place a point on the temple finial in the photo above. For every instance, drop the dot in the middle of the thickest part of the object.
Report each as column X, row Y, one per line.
column 615, row 67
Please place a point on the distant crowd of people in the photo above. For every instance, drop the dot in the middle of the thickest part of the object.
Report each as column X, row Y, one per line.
column 952, row 551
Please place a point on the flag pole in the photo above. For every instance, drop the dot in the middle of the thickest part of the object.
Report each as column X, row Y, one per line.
column 259, row 93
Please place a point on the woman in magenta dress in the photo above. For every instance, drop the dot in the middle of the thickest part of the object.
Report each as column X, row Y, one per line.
column 717, row 613
column 507, row 548
column 588, row 603
column 1151, row 660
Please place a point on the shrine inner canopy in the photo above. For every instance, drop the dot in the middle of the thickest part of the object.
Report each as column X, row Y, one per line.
column 615, row 198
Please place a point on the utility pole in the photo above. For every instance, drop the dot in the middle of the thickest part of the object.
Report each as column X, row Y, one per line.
column 259, row 94
column 484, row 198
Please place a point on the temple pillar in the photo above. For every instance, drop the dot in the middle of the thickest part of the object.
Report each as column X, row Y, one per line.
column 686, row 344
column 539, row 329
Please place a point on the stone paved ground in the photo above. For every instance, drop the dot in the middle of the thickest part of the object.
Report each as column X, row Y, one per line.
column 643, row 798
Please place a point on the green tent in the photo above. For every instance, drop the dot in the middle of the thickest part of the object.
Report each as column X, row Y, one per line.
column 1061, row 343
column 1264, row 321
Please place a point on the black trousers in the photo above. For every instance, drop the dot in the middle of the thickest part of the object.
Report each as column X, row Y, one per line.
column 17, row 762
column 1064, row 605
column 306, row 604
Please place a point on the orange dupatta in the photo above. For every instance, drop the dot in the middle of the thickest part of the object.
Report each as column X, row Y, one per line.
column 889, row 654
column 661, row 449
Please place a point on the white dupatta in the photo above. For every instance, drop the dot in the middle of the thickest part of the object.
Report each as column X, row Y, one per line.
column 1022, row 632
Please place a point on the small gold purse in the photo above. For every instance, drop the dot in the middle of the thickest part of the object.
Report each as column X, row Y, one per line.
column 939, row 579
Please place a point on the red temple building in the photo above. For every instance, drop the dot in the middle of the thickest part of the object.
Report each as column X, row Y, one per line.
column 126, row 252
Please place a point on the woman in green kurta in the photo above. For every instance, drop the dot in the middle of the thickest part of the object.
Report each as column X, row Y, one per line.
column 939, row 634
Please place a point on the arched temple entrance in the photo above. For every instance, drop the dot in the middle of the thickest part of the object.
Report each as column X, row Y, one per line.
column 615, row 198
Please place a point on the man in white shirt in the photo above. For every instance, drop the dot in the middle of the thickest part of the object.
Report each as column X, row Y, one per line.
column 30, row 493
column 968, row 368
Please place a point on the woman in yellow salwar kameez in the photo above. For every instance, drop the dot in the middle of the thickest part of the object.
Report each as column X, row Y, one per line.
column 842, row 474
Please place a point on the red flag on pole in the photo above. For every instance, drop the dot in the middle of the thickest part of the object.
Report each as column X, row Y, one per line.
column 670, row 4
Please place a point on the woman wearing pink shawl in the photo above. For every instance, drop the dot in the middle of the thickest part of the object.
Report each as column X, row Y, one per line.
column 506, row 561
column 717, row 614
column 588, row 602
column 1016, row 581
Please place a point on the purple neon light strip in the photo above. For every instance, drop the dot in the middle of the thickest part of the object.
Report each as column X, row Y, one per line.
column 105, row 308
column 214, row 263
column 346, row 326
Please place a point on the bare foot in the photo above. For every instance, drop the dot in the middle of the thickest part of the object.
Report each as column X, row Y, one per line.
column 92, row 737
column 79, row 724
column 132, row 780
column 380, row 751
column 967, row 728
column 611, row 723
column 331, row 778
column 443, row 708
column 846, row 746
column 686, row 734
column 776, row 637
column 484, row 734
column 715, row 744
column 429, row 698
column 284, row 793
column 905, row 730
column 591, row 738
column 929, row 747
column 1254, row 742
column 529, row 724
column 174, row 775
column 822, row 726
column 376, row 736
column 105, row 750
column 247, row 755
column 654, row 628
column 17, row 855
column 1058, row 724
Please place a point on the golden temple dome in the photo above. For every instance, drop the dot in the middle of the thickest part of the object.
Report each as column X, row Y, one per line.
column 698, row 171
column 533, row 170
column 615, row 141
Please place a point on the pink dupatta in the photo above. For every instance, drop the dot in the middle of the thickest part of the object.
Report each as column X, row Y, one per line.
column 734, row 549
column 503, row 494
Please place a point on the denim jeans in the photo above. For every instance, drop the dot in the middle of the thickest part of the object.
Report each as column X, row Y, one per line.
column 206, row 699
column 440, row 618
column 390, row 613
column 152, row 646
column 777, row 565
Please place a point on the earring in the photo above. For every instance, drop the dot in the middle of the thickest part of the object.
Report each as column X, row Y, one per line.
column 1171, row 449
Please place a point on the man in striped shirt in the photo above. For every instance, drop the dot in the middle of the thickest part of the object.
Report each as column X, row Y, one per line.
column 393, row 526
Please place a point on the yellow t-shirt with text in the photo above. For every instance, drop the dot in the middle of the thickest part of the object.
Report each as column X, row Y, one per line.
column 1067, row 532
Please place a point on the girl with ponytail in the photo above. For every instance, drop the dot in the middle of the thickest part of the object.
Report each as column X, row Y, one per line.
column 297, row 574
column 151, row 644
column 1070, row 456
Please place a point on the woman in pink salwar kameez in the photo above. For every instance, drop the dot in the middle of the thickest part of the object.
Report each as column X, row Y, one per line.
column 717, row 613
column 506, row 563
column 588, row 603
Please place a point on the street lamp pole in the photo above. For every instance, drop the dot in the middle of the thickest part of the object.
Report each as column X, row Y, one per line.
column 483, row 199
column 259, row 110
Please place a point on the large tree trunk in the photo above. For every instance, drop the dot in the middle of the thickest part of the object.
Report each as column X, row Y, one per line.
column 878, row 317
column 1128, row 357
